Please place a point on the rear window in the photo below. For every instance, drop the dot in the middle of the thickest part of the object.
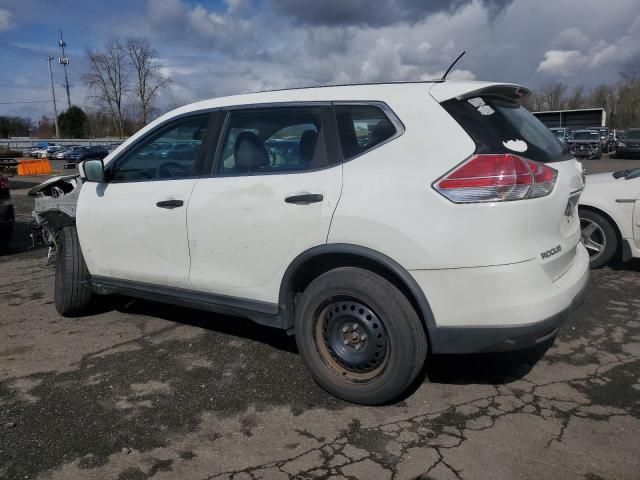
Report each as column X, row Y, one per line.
column 500, row 125
column 361, row 128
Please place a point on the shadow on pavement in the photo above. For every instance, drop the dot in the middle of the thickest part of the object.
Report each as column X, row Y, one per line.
column 632, row 265
column 485, row 368
column 236, row 326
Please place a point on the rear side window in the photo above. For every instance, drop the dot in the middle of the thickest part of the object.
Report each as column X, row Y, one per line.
column 500, row 125
column 273, row 140
column 361, row 128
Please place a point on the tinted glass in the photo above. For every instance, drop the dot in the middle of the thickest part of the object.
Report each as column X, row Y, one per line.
column 495, row 123
column 273, row 140
column 168, row 154
column 361, row 128
column 631, row 133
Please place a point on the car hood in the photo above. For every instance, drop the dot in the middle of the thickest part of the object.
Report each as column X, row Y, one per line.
column 51, row 182
column 629, row 140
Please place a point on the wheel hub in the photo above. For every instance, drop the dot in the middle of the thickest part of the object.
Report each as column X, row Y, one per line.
column 354, row 336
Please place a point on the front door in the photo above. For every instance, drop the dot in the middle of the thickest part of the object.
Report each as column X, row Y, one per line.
column 134, row 226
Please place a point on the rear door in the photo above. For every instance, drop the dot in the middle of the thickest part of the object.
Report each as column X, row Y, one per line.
column 271, row 196
column 133, row 227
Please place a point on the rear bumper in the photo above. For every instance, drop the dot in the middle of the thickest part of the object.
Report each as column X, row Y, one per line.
column 501, row 338
column 509, row 307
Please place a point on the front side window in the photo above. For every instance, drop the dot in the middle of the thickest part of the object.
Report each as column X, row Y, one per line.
column 272, row 140
column 361, row 128
column 168, row 154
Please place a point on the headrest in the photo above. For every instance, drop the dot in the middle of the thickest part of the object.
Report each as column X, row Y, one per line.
column 383, row 130
column 250, row 152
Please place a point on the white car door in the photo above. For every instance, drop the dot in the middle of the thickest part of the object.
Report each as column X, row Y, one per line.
column 275, row 186
column 133, row 227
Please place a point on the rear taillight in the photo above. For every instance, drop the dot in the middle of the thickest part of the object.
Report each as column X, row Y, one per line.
column 497, row 178
column 4, row 183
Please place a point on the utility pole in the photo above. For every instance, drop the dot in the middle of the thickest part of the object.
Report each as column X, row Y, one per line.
column 53, row 97
column 64, row 61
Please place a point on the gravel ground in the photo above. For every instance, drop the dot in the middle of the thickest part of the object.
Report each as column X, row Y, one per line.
column 144, row 390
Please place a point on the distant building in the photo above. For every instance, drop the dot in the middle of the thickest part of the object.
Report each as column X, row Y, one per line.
column 574, row 119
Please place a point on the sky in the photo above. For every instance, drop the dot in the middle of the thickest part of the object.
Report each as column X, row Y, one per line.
column 211, row 48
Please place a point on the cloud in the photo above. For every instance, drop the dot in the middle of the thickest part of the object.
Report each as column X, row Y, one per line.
column 562, row 62
column 587, row 56
column 365, row 13
column 229, row 31
column 570, row 38
column 6, row 20
column 219, row 47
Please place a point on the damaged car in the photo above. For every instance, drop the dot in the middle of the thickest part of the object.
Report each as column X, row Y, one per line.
column 585, row 143
column 314, row 211
column 54, row 208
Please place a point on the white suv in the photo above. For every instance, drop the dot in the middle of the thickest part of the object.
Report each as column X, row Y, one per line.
column 374, row 222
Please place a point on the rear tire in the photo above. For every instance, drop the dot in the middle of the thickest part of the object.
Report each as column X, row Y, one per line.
column 72, row 297
column 599, row 237
column 359, row 336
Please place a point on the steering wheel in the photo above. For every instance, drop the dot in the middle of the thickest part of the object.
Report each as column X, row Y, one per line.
column 172, row 170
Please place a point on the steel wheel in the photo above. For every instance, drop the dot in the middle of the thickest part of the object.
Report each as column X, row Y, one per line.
column 593, row 238
column 351, row 339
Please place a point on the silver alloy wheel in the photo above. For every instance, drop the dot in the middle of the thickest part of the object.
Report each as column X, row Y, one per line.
column 593, row 238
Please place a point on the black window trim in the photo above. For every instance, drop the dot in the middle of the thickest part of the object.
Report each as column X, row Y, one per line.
column 201, row 157
column 329, row 136
column 386, row 109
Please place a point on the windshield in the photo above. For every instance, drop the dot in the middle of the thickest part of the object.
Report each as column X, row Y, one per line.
column 585, row 135
column 631, row 133
column 635, row 173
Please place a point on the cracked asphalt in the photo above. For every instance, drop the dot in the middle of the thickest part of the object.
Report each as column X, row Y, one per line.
column 143, row 390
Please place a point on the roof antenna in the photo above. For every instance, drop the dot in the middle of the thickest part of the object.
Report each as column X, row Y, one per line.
column 444, row 77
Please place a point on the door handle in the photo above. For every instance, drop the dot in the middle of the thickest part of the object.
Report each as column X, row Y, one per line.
column 170, row 204
column 304, row 198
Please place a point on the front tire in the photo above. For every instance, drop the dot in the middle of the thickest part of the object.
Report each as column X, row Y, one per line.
column 359, row 336
column 72, row 297
column 599, row 237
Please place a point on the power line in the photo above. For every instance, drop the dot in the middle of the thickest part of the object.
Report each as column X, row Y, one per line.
column 25, row 101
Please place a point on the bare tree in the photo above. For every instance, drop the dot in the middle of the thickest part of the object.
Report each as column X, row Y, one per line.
column 553, row 95
column 577, row 99
column 108, row 77
column 630, row 74
column 148, row 79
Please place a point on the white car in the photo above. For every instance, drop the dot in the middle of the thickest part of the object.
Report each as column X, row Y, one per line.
column 374, row 222
column 610, row 216
column 39, row 153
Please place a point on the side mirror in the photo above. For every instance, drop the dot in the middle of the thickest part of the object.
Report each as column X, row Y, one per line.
column 92, row 171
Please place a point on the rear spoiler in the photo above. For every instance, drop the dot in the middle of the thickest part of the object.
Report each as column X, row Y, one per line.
column 447, row 90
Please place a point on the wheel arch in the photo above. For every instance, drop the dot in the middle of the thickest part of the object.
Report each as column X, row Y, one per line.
column 318, row 260
column 610, row 218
